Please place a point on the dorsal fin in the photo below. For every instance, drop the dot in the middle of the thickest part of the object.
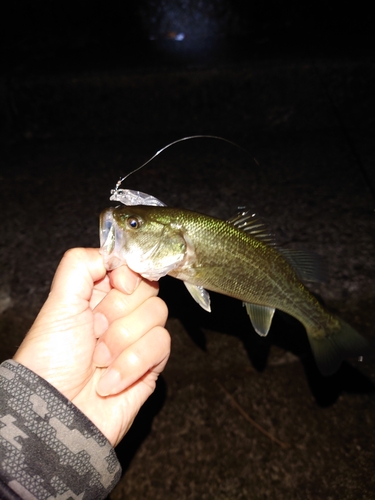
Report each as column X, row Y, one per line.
column 309, row 266
column 251, row 224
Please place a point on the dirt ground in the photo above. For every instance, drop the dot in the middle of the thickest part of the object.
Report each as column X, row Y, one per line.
column 234, row 416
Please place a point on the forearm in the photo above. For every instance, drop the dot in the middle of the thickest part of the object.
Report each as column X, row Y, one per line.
column 47, row 446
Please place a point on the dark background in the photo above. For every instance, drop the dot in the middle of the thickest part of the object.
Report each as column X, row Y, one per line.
column 89, row 92
column 49, row 37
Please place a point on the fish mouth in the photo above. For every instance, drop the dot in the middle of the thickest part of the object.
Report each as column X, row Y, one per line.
column 111, row 240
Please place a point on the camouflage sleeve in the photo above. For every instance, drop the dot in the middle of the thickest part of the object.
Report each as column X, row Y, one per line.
column 48, row 448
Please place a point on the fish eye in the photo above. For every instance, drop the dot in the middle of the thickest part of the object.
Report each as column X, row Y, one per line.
column 133, row 222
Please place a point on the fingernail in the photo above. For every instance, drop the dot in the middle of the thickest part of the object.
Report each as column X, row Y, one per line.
column 109, row 382
column 130, row 286
column 102, row 356
column 137, row 282
column 100, row 324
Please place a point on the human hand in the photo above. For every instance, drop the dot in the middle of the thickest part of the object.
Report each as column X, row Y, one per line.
column 100, row 340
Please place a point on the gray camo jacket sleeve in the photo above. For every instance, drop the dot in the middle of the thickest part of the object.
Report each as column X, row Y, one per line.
column 48, row 448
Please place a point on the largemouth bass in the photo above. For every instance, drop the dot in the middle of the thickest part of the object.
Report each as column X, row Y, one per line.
column 235, row 258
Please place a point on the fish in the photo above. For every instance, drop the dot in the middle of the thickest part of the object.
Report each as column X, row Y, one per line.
column 235, row 257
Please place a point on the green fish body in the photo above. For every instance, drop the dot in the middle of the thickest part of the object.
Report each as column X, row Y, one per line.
column 235, row 258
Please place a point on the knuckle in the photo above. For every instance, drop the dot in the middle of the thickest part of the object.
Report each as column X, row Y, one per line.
column 119, row 301
column 163, row 339
column 74, row 253
column 166, row 339
column 161, row 309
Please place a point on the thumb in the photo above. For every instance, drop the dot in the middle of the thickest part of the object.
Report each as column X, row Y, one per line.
column 78, row 270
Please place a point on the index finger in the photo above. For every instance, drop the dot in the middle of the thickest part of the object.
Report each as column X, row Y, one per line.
column 117, row 304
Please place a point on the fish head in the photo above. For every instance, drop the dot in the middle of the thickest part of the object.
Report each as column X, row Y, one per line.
column 143, row 238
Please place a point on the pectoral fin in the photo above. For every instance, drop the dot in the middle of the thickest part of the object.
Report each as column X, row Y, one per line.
column 260, row 317
column 200, row 295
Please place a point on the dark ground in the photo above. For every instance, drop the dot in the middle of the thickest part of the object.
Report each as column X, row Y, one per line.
column 307, row 116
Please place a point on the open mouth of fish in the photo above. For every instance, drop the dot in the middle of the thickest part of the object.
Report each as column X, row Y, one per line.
column 111, row 240
column 118, row 247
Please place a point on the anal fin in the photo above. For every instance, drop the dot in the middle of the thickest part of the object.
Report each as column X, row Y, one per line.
column 260, row 317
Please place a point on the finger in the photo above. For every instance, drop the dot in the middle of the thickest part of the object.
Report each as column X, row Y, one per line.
column 127, row 330
column 76, row 274
column 150, row 352
column 116, row 305
column 124, row 279
column 101, row 288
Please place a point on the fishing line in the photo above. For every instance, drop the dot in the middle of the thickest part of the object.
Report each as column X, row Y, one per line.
column 121, row 180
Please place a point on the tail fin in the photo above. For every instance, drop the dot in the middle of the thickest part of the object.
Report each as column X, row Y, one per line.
column 329, row 351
